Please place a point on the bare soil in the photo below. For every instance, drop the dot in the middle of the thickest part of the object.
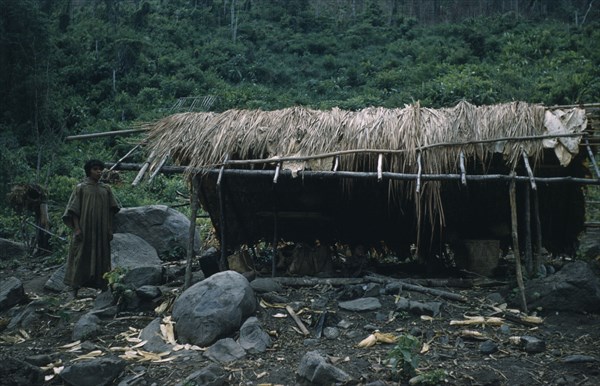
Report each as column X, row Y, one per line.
column 444, row 346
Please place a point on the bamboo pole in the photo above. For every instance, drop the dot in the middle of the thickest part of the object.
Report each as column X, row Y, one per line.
column 528, row 243
column 157, row 170
column 592, row 158
column 143, row 169
column 105, row 134
column 192, row 230
column 515, row 242
column 124, row 157
column 380, row 167
column 419, row 172
column 537, row 256
column 367, row 175
column 528, row 168
column 463, row 172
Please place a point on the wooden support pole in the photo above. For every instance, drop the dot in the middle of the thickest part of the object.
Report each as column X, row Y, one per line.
column 463, row 173
column 380, row 167
column 529, row 171
column 277, row 170
column 222, row 260
column 592, row 158
column 419, row 171
column 537, row 256
column 528, row 238
column 275, row 234
column 515, row 242
column 336, row 163
column 297, row 320
column 105, row 134
column 192, row 230
column 142, row 171
column 124, row 157
column 157, row 170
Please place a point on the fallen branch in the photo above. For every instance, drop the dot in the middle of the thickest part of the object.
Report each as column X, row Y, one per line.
column 297, row 320
column 312, row 281
column 417, row 288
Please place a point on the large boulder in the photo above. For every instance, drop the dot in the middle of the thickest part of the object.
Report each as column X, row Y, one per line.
column 574, row 288
column 11, row 293
column 11, row 249
column 166, row 229
column 130, row 252
column 213, row 308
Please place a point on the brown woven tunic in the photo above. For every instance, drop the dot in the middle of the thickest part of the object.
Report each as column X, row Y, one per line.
column 89, row 255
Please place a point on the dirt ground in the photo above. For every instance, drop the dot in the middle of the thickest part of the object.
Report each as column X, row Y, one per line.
column 443, row 347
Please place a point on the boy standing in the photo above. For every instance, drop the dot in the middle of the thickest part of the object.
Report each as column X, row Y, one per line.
column 90, row 214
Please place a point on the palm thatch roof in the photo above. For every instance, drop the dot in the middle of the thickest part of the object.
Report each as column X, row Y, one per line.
column 303, row 137
column 412, row 140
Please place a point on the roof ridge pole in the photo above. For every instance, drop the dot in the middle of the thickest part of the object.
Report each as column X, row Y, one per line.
column 419, row 172
column 591, row 155
column 222, row 264
column 380, row 167
column 463, row 173
column 528, row 167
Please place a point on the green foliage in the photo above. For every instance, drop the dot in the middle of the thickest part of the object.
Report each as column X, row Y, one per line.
column 404, row 357
column 93, row 66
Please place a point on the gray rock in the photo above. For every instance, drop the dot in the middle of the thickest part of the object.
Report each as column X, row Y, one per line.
column 344, row 324
column 95, row 372
column 532, row 345
column 16, row 372
column 574, row 288
column 213, row 308
column 129, row 252
column 25, row 317
column 11, row 293
column 253, row 338
column 142, row 276
column 88, row 326
column 331, row 333
column 153, row 337
column 419, row 308
column 393, row 288
column 148, row 292
column 225, row 351
column 166, row 229
column 262, row 285
column 371, row 290
column 11, row 249
column 589, row 243
column 488, row 347
column 495, row 298
column 213, row 375
column 314, row 368
column 505, row 329
column 362, row 304
column 311, row 342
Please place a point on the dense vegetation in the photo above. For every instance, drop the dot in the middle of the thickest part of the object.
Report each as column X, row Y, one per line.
column 80, row 66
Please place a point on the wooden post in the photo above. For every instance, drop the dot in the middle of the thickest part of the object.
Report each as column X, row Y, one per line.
column 515, row 242
column 192, row 230
column 528, row 238
column 463, row 172
column 222, row 264
column 275, row 235
column 537, row 257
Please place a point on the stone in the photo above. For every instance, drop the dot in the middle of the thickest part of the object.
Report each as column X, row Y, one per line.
column 12, row 250
column 488, row 347
column 362, row 304
column 213, row 375
column 95, row 372
column 11, row 293
column 253, row 338
column 418, row 308
column 166, row 229
column 209, row 261
column 273, row 298
column 225, row 351
column 532, row 345
column 574, row 288
column 153, row 337
column 16, row 372
column 331, row 333
column 88, row 326
column 148, row 292
column 579, row 358
column 315, row 369
column 213, row 308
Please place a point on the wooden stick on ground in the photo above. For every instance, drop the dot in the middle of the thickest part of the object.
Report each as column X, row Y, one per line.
column 297, row 320
column 417, row 288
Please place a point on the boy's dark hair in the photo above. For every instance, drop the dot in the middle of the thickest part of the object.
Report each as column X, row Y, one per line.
column 90, row 164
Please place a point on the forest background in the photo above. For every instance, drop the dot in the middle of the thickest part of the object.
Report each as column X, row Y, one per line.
column 71, row 67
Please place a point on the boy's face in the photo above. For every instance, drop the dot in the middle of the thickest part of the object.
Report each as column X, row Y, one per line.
column 96, row 173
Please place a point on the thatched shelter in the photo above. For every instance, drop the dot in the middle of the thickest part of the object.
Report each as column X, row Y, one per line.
column 409, row 176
